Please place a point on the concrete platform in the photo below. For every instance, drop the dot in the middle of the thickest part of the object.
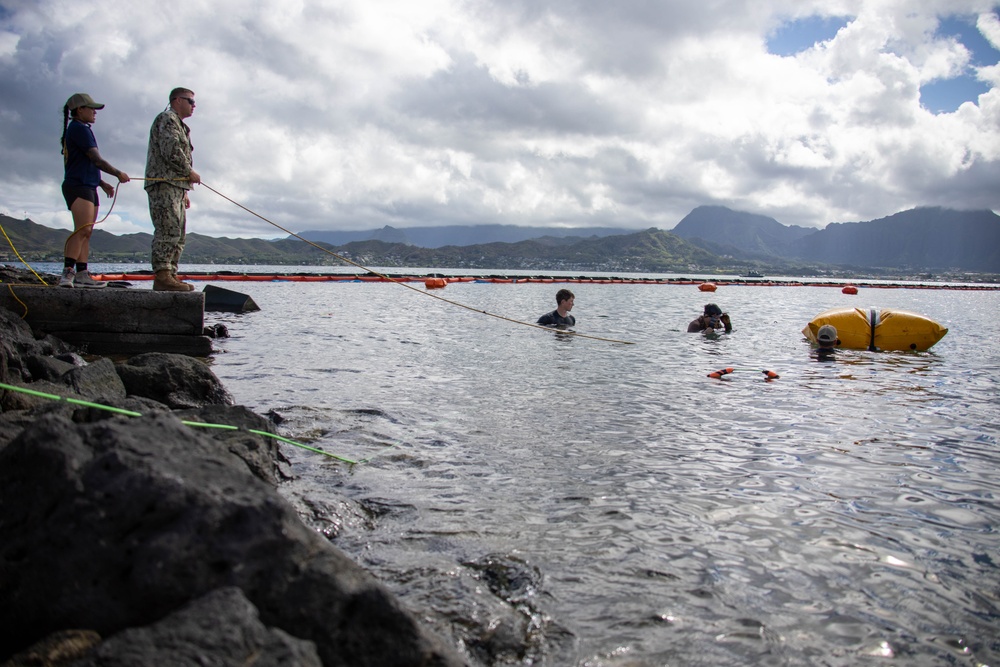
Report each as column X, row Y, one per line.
column 114, row 321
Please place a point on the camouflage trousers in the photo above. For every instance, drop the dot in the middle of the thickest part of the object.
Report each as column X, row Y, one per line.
column 166, row 209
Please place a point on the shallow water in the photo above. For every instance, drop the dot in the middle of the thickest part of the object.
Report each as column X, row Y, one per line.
column 843, row 514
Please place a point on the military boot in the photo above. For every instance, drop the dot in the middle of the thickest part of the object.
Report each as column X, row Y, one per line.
column 165, row 282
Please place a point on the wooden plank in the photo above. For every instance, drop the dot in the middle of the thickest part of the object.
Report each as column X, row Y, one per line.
column 109, row 310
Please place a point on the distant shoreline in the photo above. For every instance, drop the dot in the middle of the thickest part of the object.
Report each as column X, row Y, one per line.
column 235, row 276
column 940, row 244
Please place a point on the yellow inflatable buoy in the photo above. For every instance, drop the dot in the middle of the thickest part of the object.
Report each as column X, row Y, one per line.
column 887, row 329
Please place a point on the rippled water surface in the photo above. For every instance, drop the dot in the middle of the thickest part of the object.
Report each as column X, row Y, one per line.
column 843, row 514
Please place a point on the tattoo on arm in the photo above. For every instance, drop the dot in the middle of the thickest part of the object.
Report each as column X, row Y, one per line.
column 101, row 163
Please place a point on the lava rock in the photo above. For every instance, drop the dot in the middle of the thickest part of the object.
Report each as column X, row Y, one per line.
column 222, row 624
column 176, row 380
column 118, row 523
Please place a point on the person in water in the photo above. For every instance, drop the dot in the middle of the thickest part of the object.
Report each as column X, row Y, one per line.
column 827, row 341
column 560, row 317
column 712, row 319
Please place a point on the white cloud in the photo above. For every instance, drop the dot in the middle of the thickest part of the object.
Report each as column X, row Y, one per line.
column 8, row 44
column 524, row 112
column 989, row 74
column 989, row 25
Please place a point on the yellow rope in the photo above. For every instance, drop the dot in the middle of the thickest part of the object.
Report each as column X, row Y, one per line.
column 76, row 231
column 11, row 243
column 418, row 291
column 97, row 222
column 341, row 258
column 10, row 286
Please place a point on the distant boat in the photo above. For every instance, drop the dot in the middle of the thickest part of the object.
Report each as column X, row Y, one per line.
column 752, row 273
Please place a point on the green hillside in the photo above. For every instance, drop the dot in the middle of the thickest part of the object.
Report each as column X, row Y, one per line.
column 649, row 250
column 38, row 243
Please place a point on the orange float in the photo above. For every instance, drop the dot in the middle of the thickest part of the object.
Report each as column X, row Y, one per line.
column 707, row 287
column 434, row 283
column 850, row 289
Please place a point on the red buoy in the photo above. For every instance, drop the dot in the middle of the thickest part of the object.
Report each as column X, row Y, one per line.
column 707, row 287
column 850, row 289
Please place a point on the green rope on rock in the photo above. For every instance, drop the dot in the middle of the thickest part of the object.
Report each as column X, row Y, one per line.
column 132, row 413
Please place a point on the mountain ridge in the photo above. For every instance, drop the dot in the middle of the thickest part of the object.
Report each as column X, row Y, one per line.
column 710, row 238
column 725, row 231
column 457, row 235
column 930, row 237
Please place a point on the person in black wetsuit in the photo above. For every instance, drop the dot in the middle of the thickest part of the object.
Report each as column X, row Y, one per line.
column 560, row 317
column 713, row 319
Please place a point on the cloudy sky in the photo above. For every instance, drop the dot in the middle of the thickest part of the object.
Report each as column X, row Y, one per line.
column 354, row 114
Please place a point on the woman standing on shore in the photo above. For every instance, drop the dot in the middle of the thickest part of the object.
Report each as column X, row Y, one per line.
column 84, row 165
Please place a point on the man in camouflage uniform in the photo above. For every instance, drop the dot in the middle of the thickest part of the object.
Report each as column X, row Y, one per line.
column 169, row 176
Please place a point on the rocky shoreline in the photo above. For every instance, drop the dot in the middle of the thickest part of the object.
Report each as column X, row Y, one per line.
column 142, row 540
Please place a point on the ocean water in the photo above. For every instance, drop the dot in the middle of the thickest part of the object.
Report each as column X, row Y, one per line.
column 845, row 513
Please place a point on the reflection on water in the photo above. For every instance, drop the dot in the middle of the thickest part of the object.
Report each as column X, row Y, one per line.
column 841, row 513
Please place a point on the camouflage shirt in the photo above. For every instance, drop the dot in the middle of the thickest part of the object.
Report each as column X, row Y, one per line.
column 169, row 153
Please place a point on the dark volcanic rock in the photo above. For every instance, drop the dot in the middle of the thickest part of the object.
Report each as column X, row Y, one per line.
column 176, row 380
column 99, row 381
column 16, row 346
column 166, row 537
column 223, row 624
column 118, row 523
column 260, row 454
column 47, row 368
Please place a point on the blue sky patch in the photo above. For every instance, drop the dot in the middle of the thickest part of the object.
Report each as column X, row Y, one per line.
column 963, row 29
column 945, row 96
column 801, row 34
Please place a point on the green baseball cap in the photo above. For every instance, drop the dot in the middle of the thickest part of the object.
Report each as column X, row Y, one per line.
column 82, row 100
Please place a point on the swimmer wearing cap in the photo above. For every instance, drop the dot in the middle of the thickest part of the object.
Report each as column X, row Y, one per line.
column 826, row 339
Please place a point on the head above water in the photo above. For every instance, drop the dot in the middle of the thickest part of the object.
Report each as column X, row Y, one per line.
column 827, row 334
column 564, row 295
column 711, row 310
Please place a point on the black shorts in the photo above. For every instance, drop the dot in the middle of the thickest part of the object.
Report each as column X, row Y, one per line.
column 73, row 192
